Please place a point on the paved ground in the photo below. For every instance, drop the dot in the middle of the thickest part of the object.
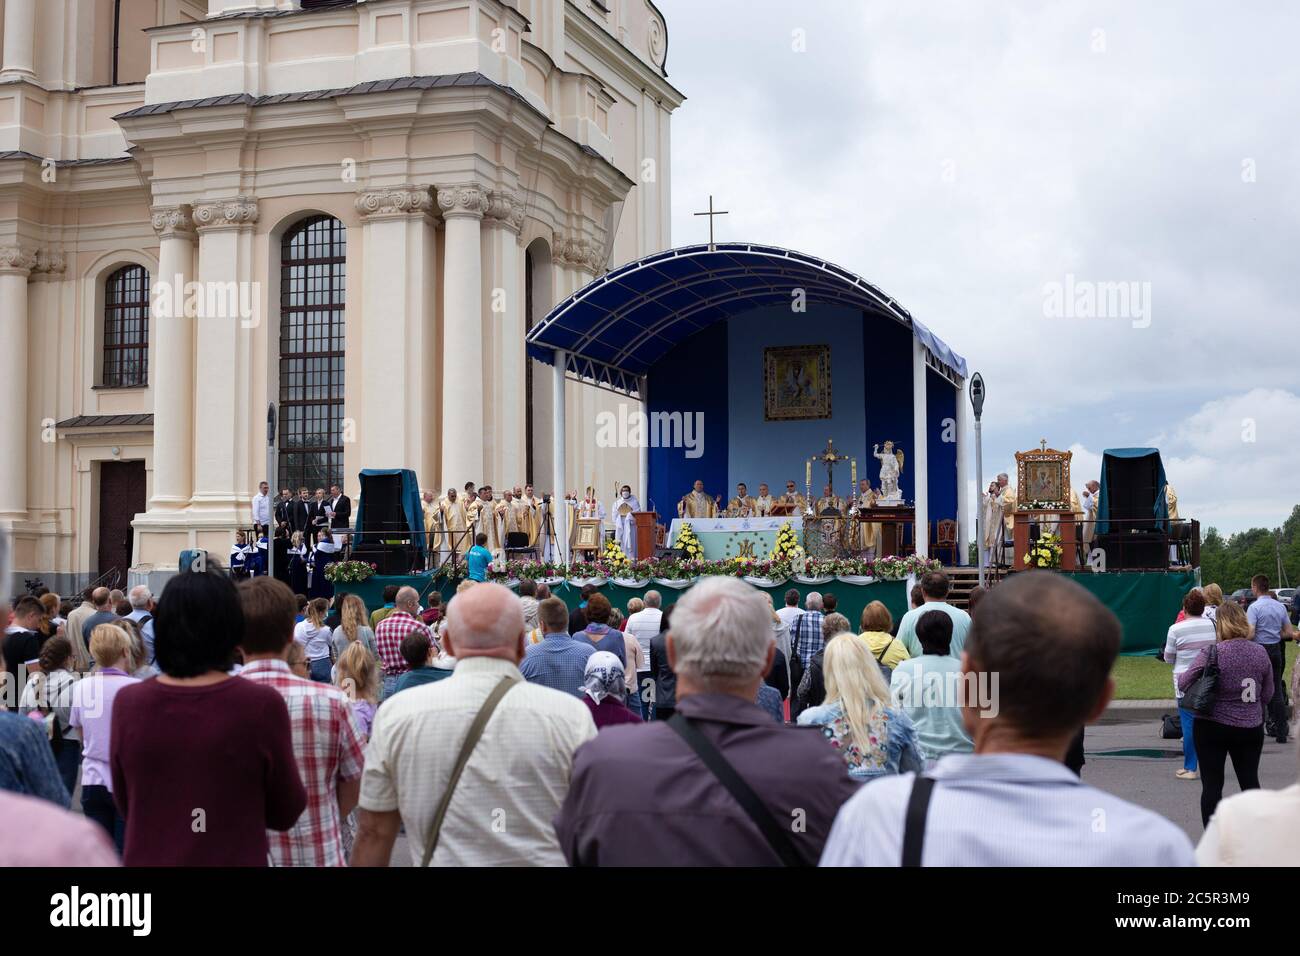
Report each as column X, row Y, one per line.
column 1129, row 759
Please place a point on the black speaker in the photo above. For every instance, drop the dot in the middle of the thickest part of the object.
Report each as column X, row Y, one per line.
column 383, row 513
column 391, row 558
column 516, row 540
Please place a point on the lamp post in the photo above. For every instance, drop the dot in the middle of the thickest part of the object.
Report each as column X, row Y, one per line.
column 271, row 482
column 977, row 405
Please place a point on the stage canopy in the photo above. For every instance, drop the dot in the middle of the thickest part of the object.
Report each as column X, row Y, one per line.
column 614, row 329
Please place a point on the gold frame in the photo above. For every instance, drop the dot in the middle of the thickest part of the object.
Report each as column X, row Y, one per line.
column 587, row 535
column 1043, row 460
column 778, row 357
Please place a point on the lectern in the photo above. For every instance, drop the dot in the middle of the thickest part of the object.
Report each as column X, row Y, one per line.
column 644, row 538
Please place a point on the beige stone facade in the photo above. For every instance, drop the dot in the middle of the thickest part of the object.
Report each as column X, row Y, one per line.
column 484, row 158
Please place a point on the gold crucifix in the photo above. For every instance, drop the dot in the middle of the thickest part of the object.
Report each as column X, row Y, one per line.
column 830, row 458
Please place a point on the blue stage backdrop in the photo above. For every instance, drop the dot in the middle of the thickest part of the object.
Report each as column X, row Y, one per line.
column 719, row 373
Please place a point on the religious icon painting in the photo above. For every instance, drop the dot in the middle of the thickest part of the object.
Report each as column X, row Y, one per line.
column 796, row 382
column 1043, row 477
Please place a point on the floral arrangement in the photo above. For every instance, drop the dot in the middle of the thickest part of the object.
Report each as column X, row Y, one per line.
column 349, row 572
column 689, row 543
column 616, row 559
column 1040, row 505
column 1045, row 552
column 681, row 570
column 787, row 547
column 893, row 568
column 587, row 569
column 536, row 570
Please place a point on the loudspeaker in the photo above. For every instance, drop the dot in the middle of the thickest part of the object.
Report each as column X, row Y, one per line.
column 383, row 513
column 391, row 558
column 516, row 540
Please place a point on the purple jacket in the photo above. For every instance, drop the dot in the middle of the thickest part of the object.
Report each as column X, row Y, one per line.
column 609, row 712
column 1245, row 682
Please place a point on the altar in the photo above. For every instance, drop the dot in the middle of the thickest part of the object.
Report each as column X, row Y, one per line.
column 734, row 537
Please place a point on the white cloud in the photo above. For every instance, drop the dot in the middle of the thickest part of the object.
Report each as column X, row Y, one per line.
column 1121, row 165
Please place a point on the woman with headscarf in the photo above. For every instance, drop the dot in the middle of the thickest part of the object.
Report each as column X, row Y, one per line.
column 604, row 689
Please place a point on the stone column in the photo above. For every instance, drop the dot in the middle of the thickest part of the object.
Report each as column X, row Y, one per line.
column 920, row 449
column 462, row 208
column 16, row 431
column 397, row 331
column 965, row 518
column 20, row 40
column 503, row 267
column 222, row 431
column 172, row 369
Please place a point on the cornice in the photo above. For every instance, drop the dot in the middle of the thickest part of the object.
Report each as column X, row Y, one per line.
column 238, row 212
column 393, row 202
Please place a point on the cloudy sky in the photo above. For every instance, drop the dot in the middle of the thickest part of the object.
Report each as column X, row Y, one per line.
column 977, row 160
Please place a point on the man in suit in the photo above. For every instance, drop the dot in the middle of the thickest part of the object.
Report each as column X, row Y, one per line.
column 300, row 512
column 341, row 506
column 283, row 508
column 317, row 518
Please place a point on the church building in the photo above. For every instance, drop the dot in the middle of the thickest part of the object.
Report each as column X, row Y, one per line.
column 353, row 209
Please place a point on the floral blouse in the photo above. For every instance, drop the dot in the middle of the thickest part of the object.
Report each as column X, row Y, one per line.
column 890, row 747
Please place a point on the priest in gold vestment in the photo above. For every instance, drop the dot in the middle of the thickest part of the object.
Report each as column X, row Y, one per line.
column 763, row 502
column 534, row 505
column 429, row 506
column 741, row 506
column 793, row 496
column 452, row 523
column 829, row 502
column 866, row 534
column 697, row 504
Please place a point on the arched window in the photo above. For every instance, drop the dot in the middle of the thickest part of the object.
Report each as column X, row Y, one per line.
column 126, row 328
column 313, row 295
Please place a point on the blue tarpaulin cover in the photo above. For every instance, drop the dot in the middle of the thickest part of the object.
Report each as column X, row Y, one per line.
column 1161, row 508
column 411, row 506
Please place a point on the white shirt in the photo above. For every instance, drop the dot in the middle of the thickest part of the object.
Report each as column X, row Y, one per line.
column 1253, row 828
column 1184, row 642
column 514, row 783
column 261, row 508
column 1004, row 810
column 316, row 640
column 644, row 625
column 788, row 615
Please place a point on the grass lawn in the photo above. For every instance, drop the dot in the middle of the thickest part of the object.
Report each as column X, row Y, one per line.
column 1145, row 678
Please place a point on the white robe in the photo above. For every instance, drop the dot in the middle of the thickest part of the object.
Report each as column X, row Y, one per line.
column 624, row 526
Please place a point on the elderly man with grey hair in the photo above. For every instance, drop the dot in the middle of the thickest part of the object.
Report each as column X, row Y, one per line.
column 142, row 608
column 806, row 638
column 476, row 765
column 719, row 783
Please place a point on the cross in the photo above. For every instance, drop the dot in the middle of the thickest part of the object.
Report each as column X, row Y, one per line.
column 830, row 457
column 1043, row 443
column 711, row 213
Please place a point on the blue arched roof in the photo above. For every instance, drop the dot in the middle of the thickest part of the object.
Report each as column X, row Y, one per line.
column 621, row 324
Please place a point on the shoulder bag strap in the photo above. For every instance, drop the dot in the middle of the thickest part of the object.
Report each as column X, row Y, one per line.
column 880, row 658
column 777, row 838
column 471, row 741
column 918, row 807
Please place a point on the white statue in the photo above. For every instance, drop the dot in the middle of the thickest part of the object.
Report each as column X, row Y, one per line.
column 891, row 463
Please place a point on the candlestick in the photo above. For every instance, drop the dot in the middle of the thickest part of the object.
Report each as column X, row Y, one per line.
column 808, row 476
column 853, row 474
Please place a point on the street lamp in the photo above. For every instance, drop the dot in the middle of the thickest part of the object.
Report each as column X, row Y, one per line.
column 977, row 404
column 271, row 482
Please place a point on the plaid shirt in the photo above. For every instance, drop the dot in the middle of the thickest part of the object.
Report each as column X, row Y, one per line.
column 327, row 746
column 388, row 638
column 806, row 636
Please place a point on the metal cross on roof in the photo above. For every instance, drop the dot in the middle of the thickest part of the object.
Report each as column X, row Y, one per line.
column 711, row 213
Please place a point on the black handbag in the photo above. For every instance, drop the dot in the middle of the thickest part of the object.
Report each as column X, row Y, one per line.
column 1201, row 694
column 1171, row 728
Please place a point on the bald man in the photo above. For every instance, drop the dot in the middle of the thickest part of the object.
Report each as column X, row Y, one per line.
column 517, row 773
column 400, row 623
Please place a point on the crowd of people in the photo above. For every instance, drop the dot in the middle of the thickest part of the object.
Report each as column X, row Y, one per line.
column 234, row 722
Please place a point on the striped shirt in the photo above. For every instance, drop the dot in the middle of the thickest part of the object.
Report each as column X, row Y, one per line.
column 1004, row 810
column 1185, row 640
column 327, row 747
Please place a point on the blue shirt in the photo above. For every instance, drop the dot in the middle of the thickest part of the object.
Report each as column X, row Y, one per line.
column 1269, row 618
column 27, row 762
column 558, row 662
column 929, row 690
column 602, row 637
column 770, row 699
column 1004, row 810
column 960, row 625
column 420, row 675
column 478, row 558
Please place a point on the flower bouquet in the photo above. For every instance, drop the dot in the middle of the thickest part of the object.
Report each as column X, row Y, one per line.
column 1045, row 552
column 893, row 568
column 787, row 547
column 543, row 572
column 676, row 574
column 771, row 573
column 815, row 571
column 688, row 542
column 582, row 573
column 349, row 572
column 504, row 572
column 855, row 571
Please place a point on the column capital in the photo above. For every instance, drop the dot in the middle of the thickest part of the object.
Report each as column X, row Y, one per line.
column 50, row 266
column 463, row 201
column 395, row 202
column 173, row 221
column 17, row 259
column 237, row 212
column 505, row 209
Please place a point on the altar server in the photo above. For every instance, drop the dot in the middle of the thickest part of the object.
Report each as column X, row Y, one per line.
column 624, row 526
